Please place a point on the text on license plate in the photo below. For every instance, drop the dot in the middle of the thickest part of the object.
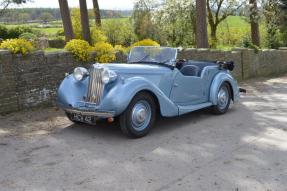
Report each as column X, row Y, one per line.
column 83, row 118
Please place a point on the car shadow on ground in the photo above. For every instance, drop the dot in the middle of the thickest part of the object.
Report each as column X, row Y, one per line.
column 162, row 125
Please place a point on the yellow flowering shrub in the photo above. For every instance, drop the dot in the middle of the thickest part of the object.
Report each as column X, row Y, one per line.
column 97, row 35
column 146, row 42
column 17, row 46
column 105, row 52
column 120, row 48
column 80, row 49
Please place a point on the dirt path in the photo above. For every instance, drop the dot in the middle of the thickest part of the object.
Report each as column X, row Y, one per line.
column 246, row 149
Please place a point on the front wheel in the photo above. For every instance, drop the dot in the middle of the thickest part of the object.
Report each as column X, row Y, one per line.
column 223, row 99
column 139, row 117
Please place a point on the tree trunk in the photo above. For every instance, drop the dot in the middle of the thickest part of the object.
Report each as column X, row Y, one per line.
column 213, row 35
column 201, row 25
column 85, row 21
column 66, row 18
column 97, row 13
column 255, row 34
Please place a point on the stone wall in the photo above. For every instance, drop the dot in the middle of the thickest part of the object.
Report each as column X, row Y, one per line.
column 32, row 80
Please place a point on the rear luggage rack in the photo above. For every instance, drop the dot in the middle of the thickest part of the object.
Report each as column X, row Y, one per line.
column 226, row 65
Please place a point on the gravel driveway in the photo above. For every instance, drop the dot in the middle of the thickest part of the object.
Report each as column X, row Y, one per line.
column 246, row 149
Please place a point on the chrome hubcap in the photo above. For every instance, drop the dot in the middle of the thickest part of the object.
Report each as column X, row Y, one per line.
column 141, row 115
column 223, row 97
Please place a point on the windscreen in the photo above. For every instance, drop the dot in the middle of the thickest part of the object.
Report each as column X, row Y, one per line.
column 152, row 54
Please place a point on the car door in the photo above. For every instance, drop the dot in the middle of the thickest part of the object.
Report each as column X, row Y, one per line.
column 188, row 90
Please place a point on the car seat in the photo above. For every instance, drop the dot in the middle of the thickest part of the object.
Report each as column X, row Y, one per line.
column 190, row 70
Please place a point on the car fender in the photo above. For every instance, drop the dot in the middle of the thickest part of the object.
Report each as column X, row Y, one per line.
column 218, row 80
column 71, row 91
column 121, row 94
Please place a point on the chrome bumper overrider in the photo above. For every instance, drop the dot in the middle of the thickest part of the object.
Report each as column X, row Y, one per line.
column 91, row 113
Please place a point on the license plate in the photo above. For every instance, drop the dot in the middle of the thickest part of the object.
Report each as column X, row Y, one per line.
column 83, row 118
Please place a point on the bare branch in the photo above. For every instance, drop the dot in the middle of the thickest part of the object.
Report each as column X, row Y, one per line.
column 209, row 14
column 218, row 10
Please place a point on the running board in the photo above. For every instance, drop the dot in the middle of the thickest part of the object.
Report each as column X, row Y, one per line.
column 190, row 108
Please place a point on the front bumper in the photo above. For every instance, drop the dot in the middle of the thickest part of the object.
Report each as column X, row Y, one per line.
column 98, row 114
column 86, row 109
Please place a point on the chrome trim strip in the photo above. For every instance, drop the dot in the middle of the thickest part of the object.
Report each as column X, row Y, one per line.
column 91, row 113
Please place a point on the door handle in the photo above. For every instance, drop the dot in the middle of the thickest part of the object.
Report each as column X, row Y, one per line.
column 175, row 85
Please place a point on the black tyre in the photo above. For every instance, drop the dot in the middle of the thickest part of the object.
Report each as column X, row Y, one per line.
column 223, row 100
column 139, row 117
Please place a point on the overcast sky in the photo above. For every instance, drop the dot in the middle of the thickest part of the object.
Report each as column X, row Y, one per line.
column 104, row 4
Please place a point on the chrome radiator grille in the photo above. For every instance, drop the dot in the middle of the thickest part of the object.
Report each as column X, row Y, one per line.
column 96, row 86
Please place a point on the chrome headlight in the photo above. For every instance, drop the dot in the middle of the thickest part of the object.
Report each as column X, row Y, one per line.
column 108, row 76
column 80, row 73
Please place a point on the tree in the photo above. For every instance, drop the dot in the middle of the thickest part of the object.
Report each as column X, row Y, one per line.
column 4, row 4
column 282, row 17
column 254, row 23
column 119, row 32
column 24, row 17
column 66, row 18
column 76, row 22
column 272, row 19
column 144, row 27
column 176, row 22
column 97, row 13
column 85, row 21
column 201, row 25
column 218, row 11
column 46, row 17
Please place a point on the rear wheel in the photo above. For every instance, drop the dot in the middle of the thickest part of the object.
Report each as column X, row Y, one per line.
column 223, row 99
column 139, row 117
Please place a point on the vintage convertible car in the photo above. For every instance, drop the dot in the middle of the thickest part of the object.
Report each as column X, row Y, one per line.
column 152, row 82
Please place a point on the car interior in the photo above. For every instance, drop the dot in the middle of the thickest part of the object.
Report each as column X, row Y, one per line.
column 192, row 67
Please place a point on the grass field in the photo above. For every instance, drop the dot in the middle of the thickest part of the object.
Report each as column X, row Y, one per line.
column 234, row 30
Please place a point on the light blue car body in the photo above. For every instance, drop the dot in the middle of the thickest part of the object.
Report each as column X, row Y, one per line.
column 174, row 93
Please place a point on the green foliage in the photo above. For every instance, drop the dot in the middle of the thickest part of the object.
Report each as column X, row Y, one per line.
column 15, row 15
column 80, row 49
column 17, row 46
column 142, row 18
column 272, row 29
column 28, row 36
column 282, row 18
column 60, row 32
column 232, row 31
column 176, row 20
column 97, row 35
column 119, row 31
column 105, row 52
column 121, row 49
column 3, row 32
column 247, row 43
column 46, row 17
column 76, row 22
column 15, row 32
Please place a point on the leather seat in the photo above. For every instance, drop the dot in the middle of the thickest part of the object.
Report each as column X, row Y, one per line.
column 190, row 70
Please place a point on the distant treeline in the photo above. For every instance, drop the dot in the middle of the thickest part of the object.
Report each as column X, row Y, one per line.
column 49, row 14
